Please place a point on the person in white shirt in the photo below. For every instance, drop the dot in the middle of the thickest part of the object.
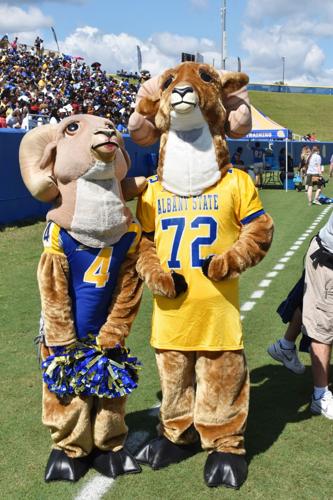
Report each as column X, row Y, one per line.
column 313, row 172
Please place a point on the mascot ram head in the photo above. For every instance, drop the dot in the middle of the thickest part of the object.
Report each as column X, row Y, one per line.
column 186, row 108
column 78, row 165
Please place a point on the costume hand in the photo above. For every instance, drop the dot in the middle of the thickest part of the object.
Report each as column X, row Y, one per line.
column 136, row 121
column 110, row 336
column 168, row 285
column 179, row 282
column 205, row 265
column 220, row 267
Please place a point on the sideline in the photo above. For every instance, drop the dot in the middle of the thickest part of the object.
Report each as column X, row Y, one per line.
column 99, row 485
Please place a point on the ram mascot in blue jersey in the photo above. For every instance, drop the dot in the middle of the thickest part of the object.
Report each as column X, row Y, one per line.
column 203, row 225
column 90, row 292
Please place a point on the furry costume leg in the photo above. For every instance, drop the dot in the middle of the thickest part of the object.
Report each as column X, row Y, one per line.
column 109, row 434
column 218, row 408
column 109, row 428
column 222, row 400
column 69, row 422
column 221, row 409
column 82, row 426
column 176, row 371
column 179, row 439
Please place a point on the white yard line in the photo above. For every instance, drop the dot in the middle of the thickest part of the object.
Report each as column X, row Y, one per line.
column 95, row 488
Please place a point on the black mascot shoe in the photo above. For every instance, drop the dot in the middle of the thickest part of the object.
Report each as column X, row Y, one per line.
column 160, row 452
column 225, row 469
column 61, row 467
column 179, row 282
column 114, row 463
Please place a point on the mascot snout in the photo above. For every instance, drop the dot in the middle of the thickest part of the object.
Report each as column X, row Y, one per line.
column 183, row 98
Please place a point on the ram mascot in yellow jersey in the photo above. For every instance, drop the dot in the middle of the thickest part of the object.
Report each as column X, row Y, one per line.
column 203, row 225
column 90, row 292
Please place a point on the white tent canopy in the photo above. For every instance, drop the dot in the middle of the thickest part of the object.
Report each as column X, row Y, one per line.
column 264, row 127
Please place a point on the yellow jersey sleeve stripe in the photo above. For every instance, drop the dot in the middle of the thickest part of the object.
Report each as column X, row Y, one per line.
column 52, row 239
column 135, row 227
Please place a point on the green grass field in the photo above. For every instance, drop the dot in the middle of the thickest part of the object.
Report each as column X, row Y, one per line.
column 301, row 113
column 289, row 451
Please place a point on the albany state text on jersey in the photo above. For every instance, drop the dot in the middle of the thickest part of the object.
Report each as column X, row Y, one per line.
column 179, row 203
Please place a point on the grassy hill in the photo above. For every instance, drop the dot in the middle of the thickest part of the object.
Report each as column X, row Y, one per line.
column 301, row 113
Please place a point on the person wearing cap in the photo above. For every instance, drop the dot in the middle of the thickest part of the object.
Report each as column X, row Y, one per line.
column 62, row 113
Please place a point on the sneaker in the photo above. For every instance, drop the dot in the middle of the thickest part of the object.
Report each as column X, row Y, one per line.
column 316, row 202
column 323, row 406
column 288, row 357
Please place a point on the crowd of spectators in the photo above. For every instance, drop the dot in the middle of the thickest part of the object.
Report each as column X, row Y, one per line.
column 45, row 85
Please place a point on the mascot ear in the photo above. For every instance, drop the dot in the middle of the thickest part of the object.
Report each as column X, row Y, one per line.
column 232, row 81
column 148, row 106
column 37, row 157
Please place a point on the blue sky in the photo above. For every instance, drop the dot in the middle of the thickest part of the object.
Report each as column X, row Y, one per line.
column 260, row 32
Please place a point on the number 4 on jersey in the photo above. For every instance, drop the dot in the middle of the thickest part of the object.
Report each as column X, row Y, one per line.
column 98, row 271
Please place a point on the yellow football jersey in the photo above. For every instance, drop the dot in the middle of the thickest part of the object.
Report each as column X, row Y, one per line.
column 188, row 230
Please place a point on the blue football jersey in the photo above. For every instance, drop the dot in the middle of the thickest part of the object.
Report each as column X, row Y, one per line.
column 93, row 273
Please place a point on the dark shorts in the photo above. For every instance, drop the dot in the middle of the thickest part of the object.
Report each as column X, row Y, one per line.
column 314, row 180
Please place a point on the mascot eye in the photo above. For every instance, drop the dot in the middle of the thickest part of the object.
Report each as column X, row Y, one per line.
column 205, row 76
column 72, row 128
column 167, row 83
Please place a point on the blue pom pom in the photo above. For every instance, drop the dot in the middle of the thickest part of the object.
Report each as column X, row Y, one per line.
column 84, row 369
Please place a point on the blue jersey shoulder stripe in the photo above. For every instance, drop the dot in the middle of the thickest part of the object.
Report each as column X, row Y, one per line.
column 248, row 219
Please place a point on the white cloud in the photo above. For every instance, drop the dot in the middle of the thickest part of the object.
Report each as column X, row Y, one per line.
column 267, row 46
column 287, row 29
column 172, row 44
column 313, row 60
column 159, row 52
column 14, row 19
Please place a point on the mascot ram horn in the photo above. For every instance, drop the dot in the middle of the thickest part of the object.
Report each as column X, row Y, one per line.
column 203, row 225
column 90, row 292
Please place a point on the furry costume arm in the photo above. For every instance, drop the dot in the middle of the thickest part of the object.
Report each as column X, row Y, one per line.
column 52, row 275
column 239, row 121
column 251, row 247
column 150, row 270
column 124, row 308
column 159, row 282
column 142, row 128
